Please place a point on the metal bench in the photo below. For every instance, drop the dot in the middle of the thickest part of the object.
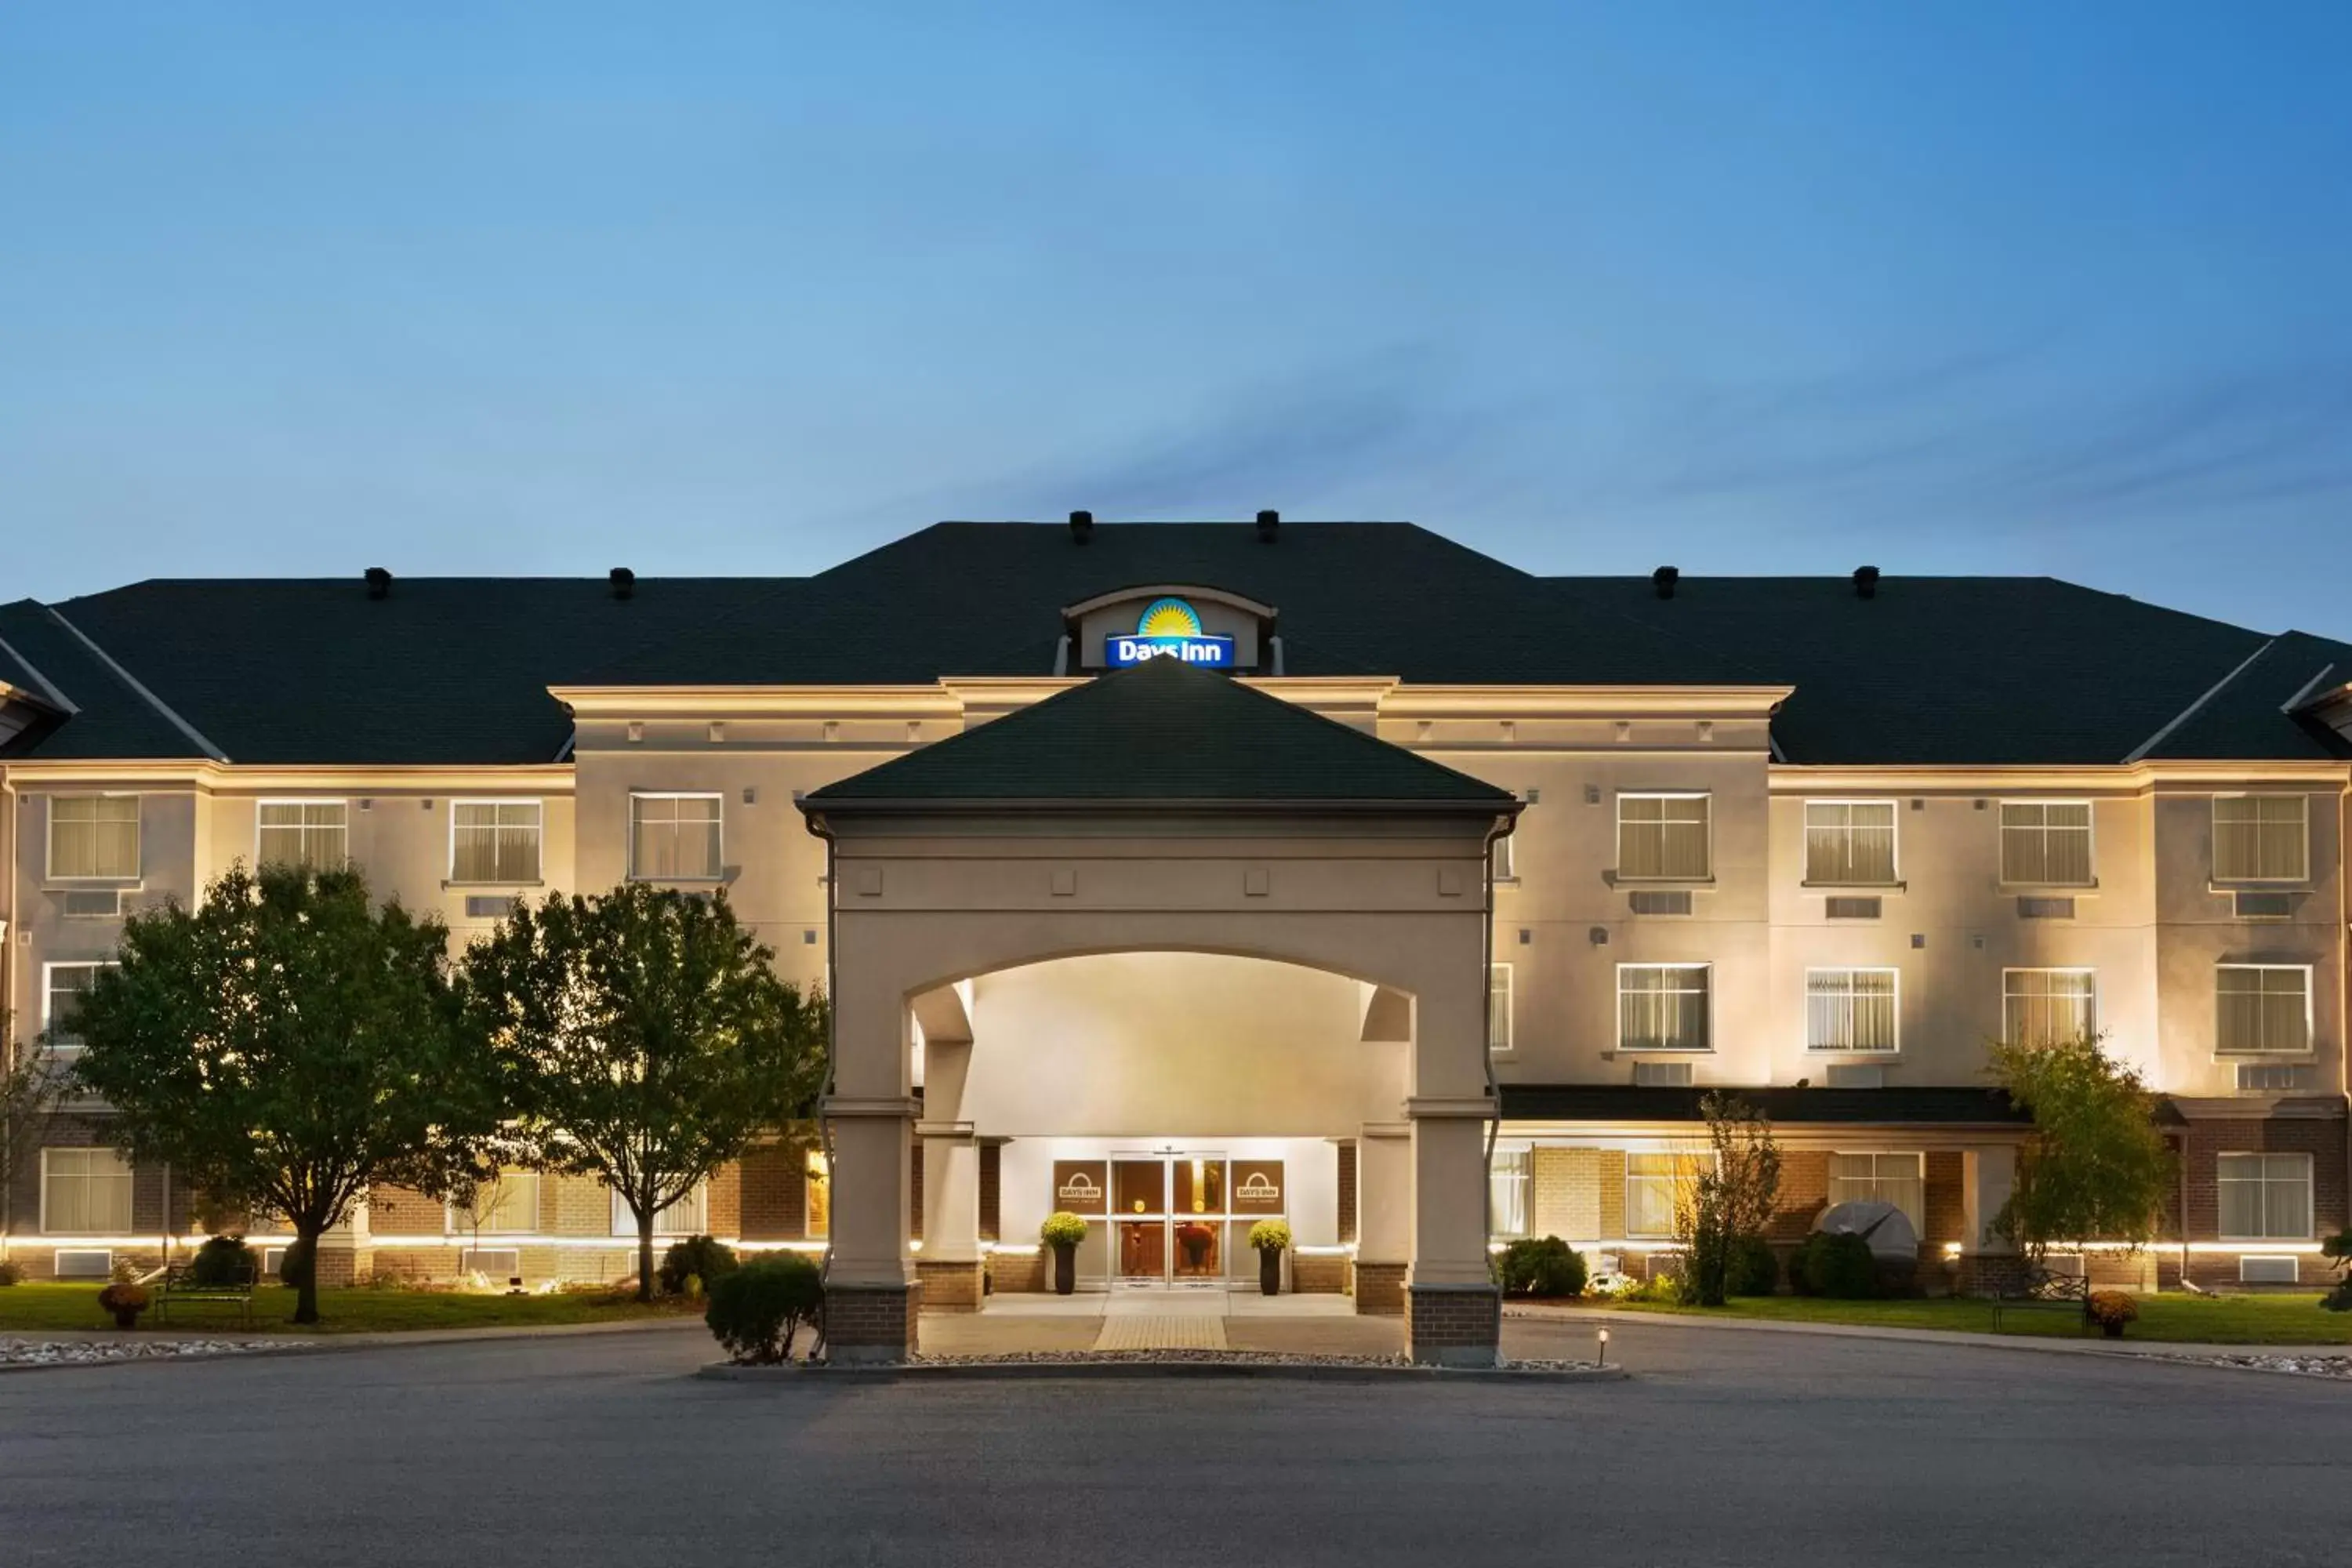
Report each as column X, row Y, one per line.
column 179, row 1288
column 2047, row 1291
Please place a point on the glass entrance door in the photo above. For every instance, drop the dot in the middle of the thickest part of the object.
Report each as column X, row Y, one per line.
column 1138, row 1188
column 1168, row 1220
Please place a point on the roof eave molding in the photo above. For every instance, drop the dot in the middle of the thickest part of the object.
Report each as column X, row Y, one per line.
column 1187, row 590
column 1487, row 810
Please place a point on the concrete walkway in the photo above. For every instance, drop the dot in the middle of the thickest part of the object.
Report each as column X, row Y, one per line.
column 1315, row 1324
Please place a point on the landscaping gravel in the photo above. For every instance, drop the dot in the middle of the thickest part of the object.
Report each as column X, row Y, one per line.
column 99, row 1352
column 2305, row 1365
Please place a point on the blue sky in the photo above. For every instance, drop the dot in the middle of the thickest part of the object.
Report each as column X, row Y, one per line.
column 1945, row 288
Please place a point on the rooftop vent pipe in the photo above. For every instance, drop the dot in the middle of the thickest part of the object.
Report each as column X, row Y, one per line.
column 1664, row 579
column 379, row 583
column 1267, row 523
column 1865, row 582
column 1082, row 527
column 623, row 581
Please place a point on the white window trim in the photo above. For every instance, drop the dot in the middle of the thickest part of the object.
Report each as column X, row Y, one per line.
column 1617, row 843
column 1694, row 1157
column 48, row 990
column 139, row 828
column 1805, row 827
column 636, row 796
column 131, row 1174
column 1918, row 1156
column 1831, row 1052
column 2310, row 1020
column 1618, row 1001
column 537, row 803
column 260, row 801
column 624, row 1222
column 2092, row 1023
column 2213, row 823
column 1510, row 1006
column 2310, row 1186
column 458, row 1221
column 1507, row 850
column 2090, row 832
column 1526, row 1182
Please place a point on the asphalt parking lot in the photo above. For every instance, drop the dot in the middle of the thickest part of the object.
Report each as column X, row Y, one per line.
column 1731, row 1447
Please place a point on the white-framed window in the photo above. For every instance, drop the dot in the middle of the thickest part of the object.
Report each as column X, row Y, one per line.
column 1663, row 1006
column 2261, row 838
column 674, row 837
column 2265, row 1198
column 84, row 1192
column 1664, row 837
column 310, row 833
column 1853, row 1009
column 62, row 986
column 494, row 841
column 1850, row 843
column 2262, row 1009
column 507, row 1206
column 689, row 1215
column 817, row 1207
column 1499, row 1007
column 1503, row 860
column 94, row 838
column 1655, row 1186
column 1897, row 1179
column 2045, row 843
column 2041, row 1006
column 1509, row 1180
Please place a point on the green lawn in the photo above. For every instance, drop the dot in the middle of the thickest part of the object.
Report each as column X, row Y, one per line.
column 35, row 1307
column 2295, row 1320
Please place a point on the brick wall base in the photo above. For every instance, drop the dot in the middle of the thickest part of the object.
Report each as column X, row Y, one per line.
column 872, row 1322
column 1010, row 1272
column 1319, row 1274
column 949, row 1287
column 1454, row 1325
column 1379, row 1290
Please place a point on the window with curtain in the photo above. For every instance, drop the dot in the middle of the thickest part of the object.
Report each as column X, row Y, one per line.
column 1661, row 838
column 494, row 841
column 1850, row 843
column 311, row 833
column 2261, row 838
column 2264, row 1009
column 1662, row 1006
column 94, row 836
column 2045, row 843
column 62, row 990
column 1897, row 1179
column 689, row 1215
column 1502, row 861
column 507, row 1206
column 1850, row 1009
column 2039, row 1005
column 84, row 1192
column 2265, row 1198
column 1507, row 1184
column 819, row 1189
column 1499, row 1007
column 674, row 837
column 1654, row 1184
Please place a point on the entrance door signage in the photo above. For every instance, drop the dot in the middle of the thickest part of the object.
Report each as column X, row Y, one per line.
column 1168, row 628
column 1257, row 1186
column 1081, row 1186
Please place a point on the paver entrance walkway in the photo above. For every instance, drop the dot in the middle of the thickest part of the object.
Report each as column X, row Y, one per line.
column 1187, row 1331
column 1163, row 1320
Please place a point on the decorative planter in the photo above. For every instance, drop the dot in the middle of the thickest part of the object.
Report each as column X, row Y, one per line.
column 2112, row 1331
column 1269, row 1271
column 126, row 1317
column 1065, row 1267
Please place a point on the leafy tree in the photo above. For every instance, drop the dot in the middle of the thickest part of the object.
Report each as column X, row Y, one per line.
column 649, row 1039
column 2096, row 1169
column 1730, row 1202
column 32, row 1082
column 286, row 1045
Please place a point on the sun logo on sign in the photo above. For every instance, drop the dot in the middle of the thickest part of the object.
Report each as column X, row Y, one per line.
column 1168, row 618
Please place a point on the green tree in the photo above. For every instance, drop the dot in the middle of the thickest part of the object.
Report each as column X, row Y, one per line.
column 1731, row 1200
column 33, row 1081
column 2095, row 1169
column 650, row 1041
column 286, row 1045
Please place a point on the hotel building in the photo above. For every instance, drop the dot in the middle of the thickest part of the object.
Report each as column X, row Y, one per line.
column 1182, row 874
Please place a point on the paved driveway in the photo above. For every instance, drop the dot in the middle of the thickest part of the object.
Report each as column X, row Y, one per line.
column 1740, row 1448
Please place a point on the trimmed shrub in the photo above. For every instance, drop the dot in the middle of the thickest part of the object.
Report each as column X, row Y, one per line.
column 224, row 1261
column 1755, row 1270
column 11, row 1272
column 756, row 1309
column 1543, row 1266
column 1837, row 1266
column 694, row 1265
column 298, row 1263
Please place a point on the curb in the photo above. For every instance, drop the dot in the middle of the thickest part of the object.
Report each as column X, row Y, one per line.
column 1295, row 1372
column 367, row 1340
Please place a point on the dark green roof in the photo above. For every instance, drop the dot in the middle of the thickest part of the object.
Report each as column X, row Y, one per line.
column 1624, row 1102
column 1164, row 732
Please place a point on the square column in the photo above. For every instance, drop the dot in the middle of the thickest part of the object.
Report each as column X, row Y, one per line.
column 949, row 1265
column 1454, row 1311
column 1383, row 1216
column 1988, row 1262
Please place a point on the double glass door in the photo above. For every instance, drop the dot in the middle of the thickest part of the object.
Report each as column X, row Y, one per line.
column 1169, row 1219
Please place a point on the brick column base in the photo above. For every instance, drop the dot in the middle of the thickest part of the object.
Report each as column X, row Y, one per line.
column 1454, row 1325
column 1991, row 1274
column 340, row 1268
column 1379, row 1290
column 948, row 1287
column 871, row 1322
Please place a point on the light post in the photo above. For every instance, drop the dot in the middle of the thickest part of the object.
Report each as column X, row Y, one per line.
column 1603, row 1337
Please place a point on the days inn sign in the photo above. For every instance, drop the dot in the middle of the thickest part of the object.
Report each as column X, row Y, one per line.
column 1168, row 628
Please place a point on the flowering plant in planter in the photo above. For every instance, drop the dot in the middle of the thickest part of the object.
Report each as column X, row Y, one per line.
column 1062, row 1231
column 1272, row 1239
column 126, row 1302
column 2111, row 1310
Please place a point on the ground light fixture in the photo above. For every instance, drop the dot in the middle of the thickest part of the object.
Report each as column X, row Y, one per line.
column 1603, row 1337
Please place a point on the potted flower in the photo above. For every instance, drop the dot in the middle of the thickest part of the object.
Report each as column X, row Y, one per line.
column 126, row 1301
column 1062, row 1231
column 2111, row 1310
column 1272, row 1239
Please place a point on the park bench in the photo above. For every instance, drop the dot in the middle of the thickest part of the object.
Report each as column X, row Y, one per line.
column 180, row 1289
column 2047, row 1291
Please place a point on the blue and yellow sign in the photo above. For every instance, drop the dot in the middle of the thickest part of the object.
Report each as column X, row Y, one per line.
column 1168, row 628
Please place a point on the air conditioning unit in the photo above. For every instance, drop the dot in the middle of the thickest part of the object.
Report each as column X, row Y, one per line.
column 1662, row 1074
column 1853, row 909
column 487, row 906
column 2068, row 1264
column 2272, row 1077
column 2045, row 908
column 1858, row 1076
column 273, row 1261
column 84, row 1262
column 90, row 903
column 1659, row 903
column 2268, row 1270
column 2263, row 906
column 497, row 1262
